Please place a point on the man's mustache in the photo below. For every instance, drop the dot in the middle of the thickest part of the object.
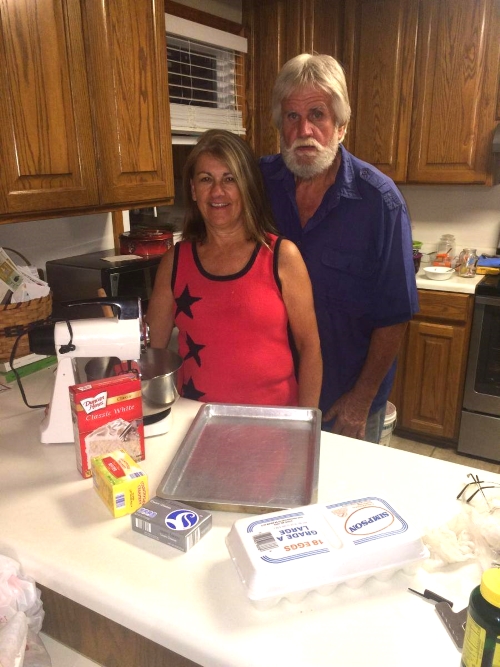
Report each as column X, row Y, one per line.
column 299, row 143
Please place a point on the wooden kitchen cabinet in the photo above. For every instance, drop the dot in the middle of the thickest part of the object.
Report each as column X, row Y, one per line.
column 277, row 30
column 428, row 389
column 423, row 80
column 84, row 114
column 47, row 151
column 422, row 75
column 379, row 57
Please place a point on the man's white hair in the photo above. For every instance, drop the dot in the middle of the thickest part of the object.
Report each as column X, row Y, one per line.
column 320, row 71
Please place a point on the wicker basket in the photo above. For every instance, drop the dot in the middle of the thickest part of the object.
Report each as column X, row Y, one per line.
column 18, row 318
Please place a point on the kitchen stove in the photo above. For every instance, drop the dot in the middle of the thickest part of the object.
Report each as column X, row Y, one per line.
column 480, row 423
column 489, row 286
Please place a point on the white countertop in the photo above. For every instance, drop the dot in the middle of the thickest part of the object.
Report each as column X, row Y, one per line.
column 56, row 526
column 453, row 284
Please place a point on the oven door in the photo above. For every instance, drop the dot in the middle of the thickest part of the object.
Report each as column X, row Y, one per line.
column 480, row 423
column 482, row 383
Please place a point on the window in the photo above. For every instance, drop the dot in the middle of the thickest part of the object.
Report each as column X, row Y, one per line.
column 205, row 79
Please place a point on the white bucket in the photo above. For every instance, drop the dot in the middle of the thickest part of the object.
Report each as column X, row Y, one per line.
column 389, row 424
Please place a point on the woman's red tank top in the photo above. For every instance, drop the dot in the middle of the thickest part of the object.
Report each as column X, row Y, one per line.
column 233, row 331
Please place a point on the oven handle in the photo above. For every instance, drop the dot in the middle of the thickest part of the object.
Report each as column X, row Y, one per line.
column 488, row 300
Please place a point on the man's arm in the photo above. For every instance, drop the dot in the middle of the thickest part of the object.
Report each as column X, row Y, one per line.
column 351, row 410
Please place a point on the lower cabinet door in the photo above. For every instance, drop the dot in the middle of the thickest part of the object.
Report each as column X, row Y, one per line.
column 432, row 385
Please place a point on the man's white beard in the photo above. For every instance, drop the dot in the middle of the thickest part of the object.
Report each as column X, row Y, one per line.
column 323, row 160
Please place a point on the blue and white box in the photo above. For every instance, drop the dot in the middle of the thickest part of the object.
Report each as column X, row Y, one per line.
column 178, row 525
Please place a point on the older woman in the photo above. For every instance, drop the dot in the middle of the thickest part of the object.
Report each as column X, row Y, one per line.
column 234, row 289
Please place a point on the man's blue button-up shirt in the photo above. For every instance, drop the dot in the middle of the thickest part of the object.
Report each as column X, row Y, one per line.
column 358, row 249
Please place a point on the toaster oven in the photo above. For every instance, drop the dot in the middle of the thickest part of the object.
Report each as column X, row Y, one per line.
column 80, row 277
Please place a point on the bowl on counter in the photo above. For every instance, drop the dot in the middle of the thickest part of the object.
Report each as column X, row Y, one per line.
column 439, row 272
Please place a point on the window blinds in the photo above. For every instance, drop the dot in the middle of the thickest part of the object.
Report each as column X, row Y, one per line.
column 205, row 79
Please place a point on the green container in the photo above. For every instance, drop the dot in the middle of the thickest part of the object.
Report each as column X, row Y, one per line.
column 482, row 630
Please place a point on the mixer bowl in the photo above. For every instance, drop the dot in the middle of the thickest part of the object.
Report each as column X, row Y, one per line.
column 158, row 370
column 159, row 379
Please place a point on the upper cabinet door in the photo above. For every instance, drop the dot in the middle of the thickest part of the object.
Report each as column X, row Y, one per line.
column 264, row 25
column 379, row 58
column 46, row 145
column 455, row 92
column 126, row 45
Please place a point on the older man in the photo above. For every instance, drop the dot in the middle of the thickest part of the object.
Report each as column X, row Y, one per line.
column 352, row 226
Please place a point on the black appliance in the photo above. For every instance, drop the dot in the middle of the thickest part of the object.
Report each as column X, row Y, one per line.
column 80, row 277
column 480, row 423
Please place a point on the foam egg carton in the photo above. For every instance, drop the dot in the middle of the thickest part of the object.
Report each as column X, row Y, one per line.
column 289, row 553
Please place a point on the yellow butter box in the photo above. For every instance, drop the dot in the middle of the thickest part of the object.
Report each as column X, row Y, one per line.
column 120, row 482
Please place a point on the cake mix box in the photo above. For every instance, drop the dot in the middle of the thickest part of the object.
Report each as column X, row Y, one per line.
column 120, row 482
column 107, row 415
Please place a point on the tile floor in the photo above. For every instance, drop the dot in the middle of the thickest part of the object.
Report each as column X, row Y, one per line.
column 62, row 656
column 443, row 453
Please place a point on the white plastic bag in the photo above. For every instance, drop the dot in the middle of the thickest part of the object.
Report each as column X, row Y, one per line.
column 21, row 616
column 472, row 534
column 13, row 637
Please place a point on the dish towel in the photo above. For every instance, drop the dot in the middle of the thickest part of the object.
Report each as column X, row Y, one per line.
column 486, row 260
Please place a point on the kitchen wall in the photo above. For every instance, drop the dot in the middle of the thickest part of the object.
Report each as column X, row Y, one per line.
column 41, row 240
column 471, row 213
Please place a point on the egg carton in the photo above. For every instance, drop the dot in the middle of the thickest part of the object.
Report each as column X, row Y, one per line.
column 290, row 553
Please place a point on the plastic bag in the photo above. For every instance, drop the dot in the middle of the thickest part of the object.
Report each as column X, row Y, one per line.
column 13, row 637
column 36, row 654
column 21, row 616
column 473, row 534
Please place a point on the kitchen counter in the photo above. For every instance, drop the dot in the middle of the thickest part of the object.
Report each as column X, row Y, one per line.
column 453, row 284
column 57, row 527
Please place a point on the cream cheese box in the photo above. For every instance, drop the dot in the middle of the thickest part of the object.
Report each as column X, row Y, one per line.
column 289, row 553
column 178, row 525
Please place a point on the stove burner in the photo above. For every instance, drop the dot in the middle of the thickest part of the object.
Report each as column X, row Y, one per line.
column 489, row 286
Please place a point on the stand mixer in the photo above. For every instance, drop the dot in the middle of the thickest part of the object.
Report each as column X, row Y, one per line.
column 121, row 338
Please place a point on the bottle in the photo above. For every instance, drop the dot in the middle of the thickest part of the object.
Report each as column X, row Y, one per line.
column 482, row 630
column 445, row 250
column 467, row 263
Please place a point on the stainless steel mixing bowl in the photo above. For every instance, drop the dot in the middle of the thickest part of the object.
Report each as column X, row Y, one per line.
column 158, row 370
column 159, row 379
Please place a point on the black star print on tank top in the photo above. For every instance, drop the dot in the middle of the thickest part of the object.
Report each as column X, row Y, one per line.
column 194, row 350
column 185, row 301
column 190, row 391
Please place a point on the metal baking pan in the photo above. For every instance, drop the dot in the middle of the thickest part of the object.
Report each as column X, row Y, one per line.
column 247, row 458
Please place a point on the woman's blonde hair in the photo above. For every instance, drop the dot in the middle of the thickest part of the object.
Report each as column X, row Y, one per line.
column 237, row 155
column 320, row 71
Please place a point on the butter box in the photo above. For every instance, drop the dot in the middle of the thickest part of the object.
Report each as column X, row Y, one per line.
column 171, row 522
column 120, row 482
column 107, row 415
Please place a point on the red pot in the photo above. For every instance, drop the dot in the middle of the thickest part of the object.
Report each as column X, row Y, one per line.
column 145, row 242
